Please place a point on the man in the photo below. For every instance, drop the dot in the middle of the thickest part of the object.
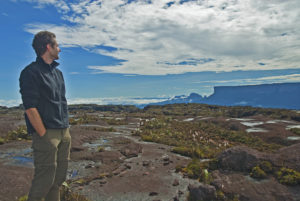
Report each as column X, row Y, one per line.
column 46, row 113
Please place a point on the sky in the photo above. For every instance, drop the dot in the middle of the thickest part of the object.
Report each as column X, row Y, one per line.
column 140, row 51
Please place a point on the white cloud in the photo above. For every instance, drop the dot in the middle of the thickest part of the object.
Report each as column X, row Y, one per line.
column 61, row 5
column 99, row 101
column 10, row 103
column 260, row 80
column 115, row 101
column 230, row 35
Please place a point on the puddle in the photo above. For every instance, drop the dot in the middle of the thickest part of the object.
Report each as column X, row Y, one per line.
column 93, row 125
column 242, row 119
column 254, row 130
column 20, row 157
column 256, row 180
column 251, row 124
column 22, row 161
column 93, row 146
column 293, row 138
column 278, row 121
column 292, row 126
column 189, row 119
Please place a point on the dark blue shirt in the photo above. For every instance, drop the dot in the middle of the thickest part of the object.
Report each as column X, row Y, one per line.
column 42, row 86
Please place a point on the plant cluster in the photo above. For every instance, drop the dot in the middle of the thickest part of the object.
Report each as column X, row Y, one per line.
column 288, row 176
column 19, row 134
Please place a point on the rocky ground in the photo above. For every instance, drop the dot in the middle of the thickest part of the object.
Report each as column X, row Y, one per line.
column 109, row 163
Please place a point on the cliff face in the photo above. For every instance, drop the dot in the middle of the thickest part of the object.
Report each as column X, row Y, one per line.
column 286, row 95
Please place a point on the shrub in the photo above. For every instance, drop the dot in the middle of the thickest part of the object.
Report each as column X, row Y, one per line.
column 258, row 173
column 288, row 176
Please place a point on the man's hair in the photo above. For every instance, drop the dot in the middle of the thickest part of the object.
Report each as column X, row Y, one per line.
column 41, row 40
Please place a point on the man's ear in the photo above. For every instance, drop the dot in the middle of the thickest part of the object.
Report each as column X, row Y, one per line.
column 48, row 46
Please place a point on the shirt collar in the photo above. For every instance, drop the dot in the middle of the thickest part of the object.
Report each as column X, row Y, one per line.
column 53, row 65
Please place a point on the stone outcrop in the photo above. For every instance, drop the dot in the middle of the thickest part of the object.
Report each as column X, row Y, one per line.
column 249, row 189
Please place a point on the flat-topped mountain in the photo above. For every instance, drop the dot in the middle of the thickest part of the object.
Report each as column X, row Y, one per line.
column 283, row 95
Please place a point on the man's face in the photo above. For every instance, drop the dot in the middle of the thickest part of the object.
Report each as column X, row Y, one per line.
column 54, row 50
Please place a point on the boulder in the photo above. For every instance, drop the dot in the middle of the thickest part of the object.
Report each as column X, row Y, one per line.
column 202, row 192
column 131, row 150
column 240, row 158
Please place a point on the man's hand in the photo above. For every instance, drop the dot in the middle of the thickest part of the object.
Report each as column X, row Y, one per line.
column 36, row 121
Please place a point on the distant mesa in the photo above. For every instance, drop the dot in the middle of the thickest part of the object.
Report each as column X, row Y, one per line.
column 278, row 95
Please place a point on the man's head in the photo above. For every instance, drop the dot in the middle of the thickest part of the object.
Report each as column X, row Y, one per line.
column 45, row 42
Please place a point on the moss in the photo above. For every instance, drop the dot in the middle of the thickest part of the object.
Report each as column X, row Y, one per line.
column 288, row 176
column 2, row 140
column 266, row 166
column 295, row 131
column 100, row 149
column 220, row 195
column 258, row 173
column 23, row 198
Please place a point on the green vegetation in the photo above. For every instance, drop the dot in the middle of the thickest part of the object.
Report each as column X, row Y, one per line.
column 23, row 198
column 288, row 176
column 199, row 139
column 197, row 170
column 258, row 173
column 295, row 131
column 19, row 134
column 266, row 166
column 100, row 149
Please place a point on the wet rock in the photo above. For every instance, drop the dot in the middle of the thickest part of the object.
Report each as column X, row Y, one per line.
column 131, row 150
column 240, row 158
column 202, row 192
column 128, row 166
column 103, row 182
column 175, row 198
column 75, row 148
column 166, row 158
column 146, row 163
column 180, row 192
column 175, row 182
column 153, row 193
column 88, row 166
column 166, row 163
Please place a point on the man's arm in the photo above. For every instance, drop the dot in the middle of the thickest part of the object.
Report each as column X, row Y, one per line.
column 36, row 121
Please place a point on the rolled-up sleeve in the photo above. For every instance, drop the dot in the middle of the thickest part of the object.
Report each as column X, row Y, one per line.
column 29, row 89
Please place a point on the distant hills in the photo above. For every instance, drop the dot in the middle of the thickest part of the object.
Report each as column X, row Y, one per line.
column 283, row 95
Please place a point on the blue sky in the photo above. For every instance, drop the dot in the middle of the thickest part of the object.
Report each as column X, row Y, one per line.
column 114, row 51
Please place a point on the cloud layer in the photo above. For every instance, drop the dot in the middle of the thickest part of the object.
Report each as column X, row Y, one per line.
column 171, row 37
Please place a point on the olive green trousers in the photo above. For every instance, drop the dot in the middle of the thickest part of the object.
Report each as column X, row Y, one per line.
column 51, row 154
